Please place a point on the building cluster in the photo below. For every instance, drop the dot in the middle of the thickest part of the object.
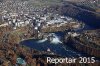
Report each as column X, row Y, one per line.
column 37, row 21
column 17, row 14
column 35, row 24
column 21, row 13
column 16, row 6
column 93, row 37
column 95, row 4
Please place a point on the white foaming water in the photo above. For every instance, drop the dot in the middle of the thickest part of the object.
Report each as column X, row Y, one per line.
column 56, row 40
column 43, row 40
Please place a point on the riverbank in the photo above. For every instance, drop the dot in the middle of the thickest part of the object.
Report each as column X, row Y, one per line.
column 87, row 42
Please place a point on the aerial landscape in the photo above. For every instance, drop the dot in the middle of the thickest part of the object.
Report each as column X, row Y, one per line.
column 49, row 32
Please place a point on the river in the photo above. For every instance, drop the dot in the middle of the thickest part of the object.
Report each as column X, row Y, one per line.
column 56, row 46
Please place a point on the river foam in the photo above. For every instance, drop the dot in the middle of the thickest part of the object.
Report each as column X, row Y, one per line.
column 54, row 39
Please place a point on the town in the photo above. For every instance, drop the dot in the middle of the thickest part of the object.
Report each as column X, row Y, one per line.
column 32, row 30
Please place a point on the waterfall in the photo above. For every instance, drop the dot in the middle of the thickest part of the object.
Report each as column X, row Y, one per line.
column 55, row 40
column 52, row 38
